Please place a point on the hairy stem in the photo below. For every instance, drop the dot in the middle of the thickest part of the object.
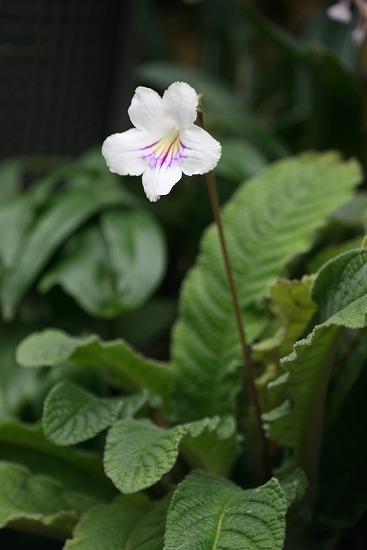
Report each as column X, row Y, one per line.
column 245, row 348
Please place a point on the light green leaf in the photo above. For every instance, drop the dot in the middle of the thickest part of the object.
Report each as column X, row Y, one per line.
column 126, row 367
column 269, row 220
column 72, row 414
column 109, row 526
column 138, row 452
column 38, row 503
column 341, row 290
column 112, row 269
column 76, row 470
column 212, row 513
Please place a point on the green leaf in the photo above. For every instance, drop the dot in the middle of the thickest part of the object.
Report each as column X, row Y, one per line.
column 72, row 414
column 76, row 470
column 127, row 368
column 138, row 452
column 38, row 503
column 341, row 290
column 212, row 513
column 64, row 213
column 269, row 220
column 109, row 526
column 112, row 269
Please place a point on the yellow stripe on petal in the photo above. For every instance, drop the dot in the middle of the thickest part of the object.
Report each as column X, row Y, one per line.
column 166, row 152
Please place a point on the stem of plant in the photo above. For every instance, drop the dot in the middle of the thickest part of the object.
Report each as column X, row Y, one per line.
column 245, row 348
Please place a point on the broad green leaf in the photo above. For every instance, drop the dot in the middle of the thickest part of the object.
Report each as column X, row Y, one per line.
column 112, row 269
column 11, row 173
column 341, row 291
column 72, row 414
column 126, row 367
column 109, row 526
column 331, row 252
column 212, row 513
column 76, row 470
column 269, row 220
column 38, row 503
column 138, row 452
column 65, row 213
column 240, row 160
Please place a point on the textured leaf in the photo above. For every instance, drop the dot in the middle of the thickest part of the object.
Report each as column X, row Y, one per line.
column 27, row 500
column 75, row 470
column 127, row 368
column 294, row 486
column 138, row 452
column 212, row 513
column 341, row 290
column 71, row 414
column 109, row 526
column 112, row 269
column 268, row 221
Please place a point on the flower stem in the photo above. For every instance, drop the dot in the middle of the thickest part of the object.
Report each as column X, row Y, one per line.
column 245, row 348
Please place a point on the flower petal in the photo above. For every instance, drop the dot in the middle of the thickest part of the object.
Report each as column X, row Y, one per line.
column 181, row 101
column 159, row 181
column 201, row 151
column 125, row 153
column 147, row 110
column 340, row 11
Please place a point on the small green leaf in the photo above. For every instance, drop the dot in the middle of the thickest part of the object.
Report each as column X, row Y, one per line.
column 127, row 368
column 37, row 502
column 212, row 513
column 71, row 414
column 109, row 526
column 138, row 452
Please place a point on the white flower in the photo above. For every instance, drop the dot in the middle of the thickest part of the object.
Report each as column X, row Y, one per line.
column 340, row 11
column 165, row 142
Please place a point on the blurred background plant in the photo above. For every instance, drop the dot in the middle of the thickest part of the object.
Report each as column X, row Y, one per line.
column 81, row 249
